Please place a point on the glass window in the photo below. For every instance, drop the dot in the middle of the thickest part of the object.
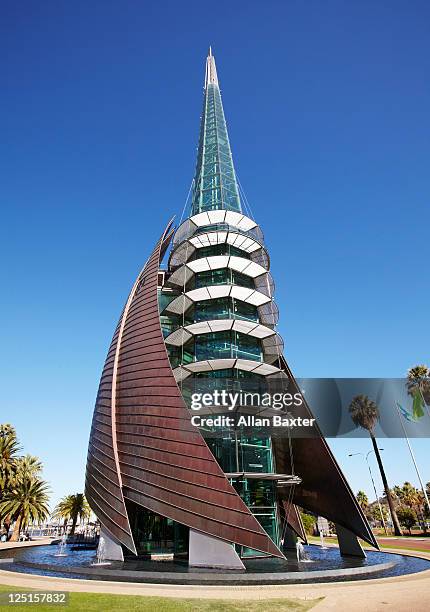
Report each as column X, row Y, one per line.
column 237, row 278
column 223, row 308
column 180, row 354
column 211, row 277
column 153, row 533
column 236, row 453
column 211, row 309
column 242, row 310
column 164, row 298
column 268, row 521
column 225, row 344
column 219, row 249
column 213, row 346
column 246, row 347
column 170, row 323
column 223, row 276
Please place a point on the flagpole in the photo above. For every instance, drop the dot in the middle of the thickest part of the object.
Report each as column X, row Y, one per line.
column 413, row 457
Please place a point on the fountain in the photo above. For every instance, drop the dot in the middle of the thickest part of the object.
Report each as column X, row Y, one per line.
column 306, row 564
column 62, row 547
column 101, row 553
column 302, row 557
column 322, row 541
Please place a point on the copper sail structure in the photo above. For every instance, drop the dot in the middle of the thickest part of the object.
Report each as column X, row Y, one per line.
column 143, row 442
column 156, row 482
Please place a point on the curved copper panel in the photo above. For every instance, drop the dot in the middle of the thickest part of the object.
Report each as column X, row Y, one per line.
column 103, row 479
column 103, row 483
column 293, row 518
column 324, row 489
column 164, row 462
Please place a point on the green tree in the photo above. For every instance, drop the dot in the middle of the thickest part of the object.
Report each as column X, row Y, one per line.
column 365, row 413
column 25, row 502
column 426, row 508
column 308, row 522
column 408, row 495
column 374, row 513
column 407, row 517
column 363, row 500
column 9, row 448
column 72, row 507
column 23, row 495
column 29, row 466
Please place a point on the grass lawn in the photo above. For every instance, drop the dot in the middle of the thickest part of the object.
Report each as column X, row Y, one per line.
column 397, row 547
column 404, row 544
column 95, row 601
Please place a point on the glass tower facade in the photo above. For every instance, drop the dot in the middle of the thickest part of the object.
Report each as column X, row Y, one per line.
column 218, row 274
column 215, row 184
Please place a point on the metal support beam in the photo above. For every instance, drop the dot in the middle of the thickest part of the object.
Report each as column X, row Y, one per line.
column 205, row 551
column 349, row 546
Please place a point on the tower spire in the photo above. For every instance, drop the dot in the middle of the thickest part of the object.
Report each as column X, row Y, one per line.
column 215, row 183
column 211, row 77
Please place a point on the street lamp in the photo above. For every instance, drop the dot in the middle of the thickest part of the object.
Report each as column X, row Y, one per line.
column 373, row 483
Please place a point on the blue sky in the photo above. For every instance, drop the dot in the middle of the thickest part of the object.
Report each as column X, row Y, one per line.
column 327, row 106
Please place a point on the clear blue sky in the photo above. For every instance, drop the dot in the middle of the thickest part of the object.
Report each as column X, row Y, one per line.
column 327, row 104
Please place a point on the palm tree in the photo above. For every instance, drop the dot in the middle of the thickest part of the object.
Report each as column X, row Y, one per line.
column 419, row 380
column 29, row 466
column 409, row 495
column 27, row 501
column 426, row 509
column 377, row 512
column 365, row 413
column 72, row 507
column 363, row 500
column 412, row 497
column 9, row 448
column 62, row 510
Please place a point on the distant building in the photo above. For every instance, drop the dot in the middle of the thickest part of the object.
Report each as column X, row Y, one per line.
column 323, row 526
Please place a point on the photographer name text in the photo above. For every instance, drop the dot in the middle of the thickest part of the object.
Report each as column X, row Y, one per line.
column 250, row 421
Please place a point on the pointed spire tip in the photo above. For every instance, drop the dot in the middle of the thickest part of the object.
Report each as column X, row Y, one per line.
column 211, row 77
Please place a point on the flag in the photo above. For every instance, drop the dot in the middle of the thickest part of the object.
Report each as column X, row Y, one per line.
column 418, row 405
column 407, row 415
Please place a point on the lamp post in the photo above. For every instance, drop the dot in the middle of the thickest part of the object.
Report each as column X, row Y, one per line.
column 373, row 483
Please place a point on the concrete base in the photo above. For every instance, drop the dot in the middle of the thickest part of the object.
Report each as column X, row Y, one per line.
column 205, row 551
column 108, row 549
column 349, row 545
column 290, row 539
column 228, row 578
